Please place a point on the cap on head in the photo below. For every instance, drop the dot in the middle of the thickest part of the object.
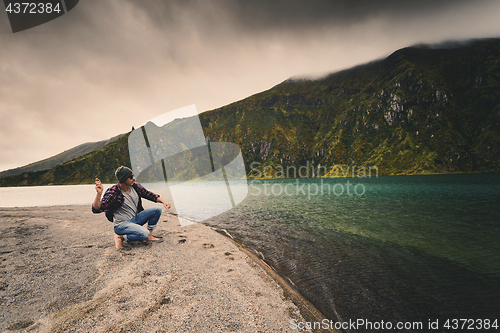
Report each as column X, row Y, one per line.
column 123, row 173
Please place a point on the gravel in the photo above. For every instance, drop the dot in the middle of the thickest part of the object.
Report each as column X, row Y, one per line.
column 60, row 272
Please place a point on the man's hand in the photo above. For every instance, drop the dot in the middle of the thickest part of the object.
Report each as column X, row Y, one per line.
column 165, row 204
column 97, row 200
column 98, row 186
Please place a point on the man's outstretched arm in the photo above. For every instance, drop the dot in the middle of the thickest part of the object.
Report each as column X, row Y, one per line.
column 165, row 204
column 150, row 195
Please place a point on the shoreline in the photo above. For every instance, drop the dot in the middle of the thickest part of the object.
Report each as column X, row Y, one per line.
column 249, row 178
column 307, row 309
column 59, row 271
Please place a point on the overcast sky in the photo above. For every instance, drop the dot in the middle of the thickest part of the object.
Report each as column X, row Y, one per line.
column 108, row 65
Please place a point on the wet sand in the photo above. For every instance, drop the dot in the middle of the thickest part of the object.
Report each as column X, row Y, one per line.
column 60, row 272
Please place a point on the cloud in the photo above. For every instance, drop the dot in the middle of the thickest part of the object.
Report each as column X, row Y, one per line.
column 264, row 16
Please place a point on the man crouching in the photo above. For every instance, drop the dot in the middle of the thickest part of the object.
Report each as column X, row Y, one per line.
column 123, row 206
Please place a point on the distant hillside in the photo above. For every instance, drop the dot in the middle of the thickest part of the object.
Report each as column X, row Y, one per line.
column 60, row 158
column 421, row 110
column 81, row 170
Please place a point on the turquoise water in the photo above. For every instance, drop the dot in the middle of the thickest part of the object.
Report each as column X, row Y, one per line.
column 456, row 217
column 402, row 248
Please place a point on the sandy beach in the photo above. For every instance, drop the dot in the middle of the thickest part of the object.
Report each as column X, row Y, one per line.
column 60, row 272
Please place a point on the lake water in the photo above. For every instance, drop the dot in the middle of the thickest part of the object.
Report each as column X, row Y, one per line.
column 31, row 196
column 410, row 248
column 58, row 195
column 402, row 248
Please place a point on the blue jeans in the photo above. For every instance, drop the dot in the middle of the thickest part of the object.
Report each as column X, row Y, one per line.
column 133, row 228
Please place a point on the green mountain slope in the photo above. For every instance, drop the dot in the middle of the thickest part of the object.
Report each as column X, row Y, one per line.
column 420, row 110
column 60, row 158
column 82, row 170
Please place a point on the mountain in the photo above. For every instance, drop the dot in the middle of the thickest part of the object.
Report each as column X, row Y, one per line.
column 81, row 170
column 421, row 110
column 60, row 158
